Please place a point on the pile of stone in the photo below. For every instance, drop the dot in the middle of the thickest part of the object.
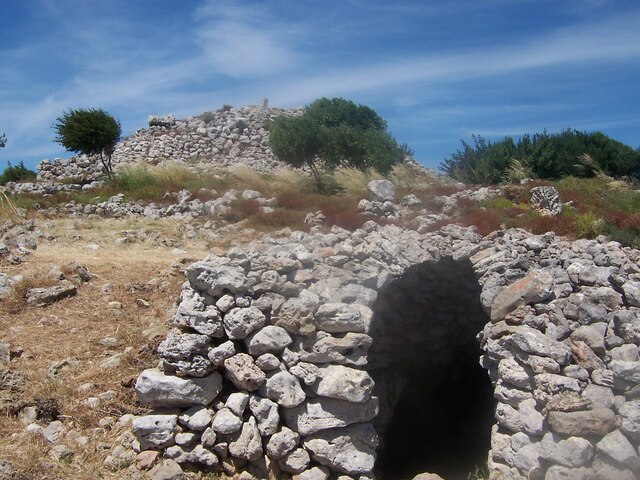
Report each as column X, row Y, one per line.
column 266, row 371
column 187, row 207
column 17, row 241
column 47, row 187
column 78, row 169
column 223, row 138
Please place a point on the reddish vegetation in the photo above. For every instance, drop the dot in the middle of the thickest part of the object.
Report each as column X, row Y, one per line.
column 349, row 219
column 625, row 220
column 486, row 221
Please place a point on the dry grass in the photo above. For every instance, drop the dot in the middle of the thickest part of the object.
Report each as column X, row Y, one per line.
column 71, row 328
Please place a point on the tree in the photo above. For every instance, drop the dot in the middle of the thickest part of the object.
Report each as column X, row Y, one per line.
column 3, row 140
column 335, row 132
column 89, row 131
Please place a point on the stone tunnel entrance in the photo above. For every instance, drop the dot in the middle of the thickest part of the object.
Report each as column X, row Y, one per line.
column 436, row 401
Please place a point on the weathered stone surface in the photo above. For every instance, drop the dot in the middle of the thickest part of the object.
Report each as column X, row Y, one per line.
column 314, row 473
column 350, row 450
column 510, row 371
column 535, row 287
column 381, row 191
column 185, row 354
column 225, row 422
column 166, row 470
column 197, row 454
column 270, row 339
column 627, row 325
column 618, row 447
column 533, row 341
column 296, row 461
column 427, row 476
column 155, row 431
column 570, row 452
column 546, row 199
column 156, row 389
column 216, row 280
column 284, row 389
column 282, row 442
column 217, row 355
column 342, row 318
column 631, row 291
column 248, row 445
column 325, row 413
column 630, row 419
column 266, row 413
column 598, row 421
column 557, row 472
column 244, row 373
column 240, row 322
column 237, row 402
column 296, row 314
column 344, row 383
column 41, row 297
column 196, row 418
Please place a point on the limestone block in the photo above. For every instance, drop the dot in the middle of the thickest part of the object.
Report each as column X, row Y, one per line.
column 326, row 413
column 156, row 389
column 344, row 383
column 350, row 450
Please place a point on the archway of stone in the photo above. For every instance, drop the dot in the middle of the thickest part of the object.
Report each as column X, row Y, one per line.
column 436, row 401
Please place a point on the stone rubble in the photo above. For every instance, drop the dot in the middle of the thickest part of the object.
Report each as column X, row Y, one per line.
column 290, row 394
column 223, row 138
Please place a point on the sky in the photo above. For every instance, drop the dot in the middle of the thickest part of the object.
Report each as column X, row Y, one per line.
column 437, row 70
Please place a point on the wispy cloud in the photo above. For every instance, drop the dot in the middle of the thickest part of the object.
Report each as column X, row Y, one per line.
column 244, row 41
column 614, row 40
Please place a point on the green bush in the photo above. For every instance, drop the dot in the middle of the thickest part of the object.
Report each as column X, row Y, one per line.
column 89, row 131
column 16, row 174
column 335, row 132
column 543, row 155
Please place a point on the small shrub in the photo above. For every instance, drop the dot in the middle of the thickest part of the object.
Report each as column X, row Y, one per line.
column 208, row 117
column 485, row 221
column 499, row 203
column 241, row 209
column 349, row 219
column 588, row 225
column 16, row 174
column 625, row 220
column 278, row 219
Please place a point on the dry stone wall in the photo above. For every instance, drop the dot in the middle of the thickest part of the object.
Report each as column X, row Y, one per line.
column 222, row 138
column 270, row 369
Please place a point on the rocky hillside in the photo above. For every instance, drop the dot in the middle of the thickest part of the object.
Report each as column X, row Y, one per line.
column 226, row 137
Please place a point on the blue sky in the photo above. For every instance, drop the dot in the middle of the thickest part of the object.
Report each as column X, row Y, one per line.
column 437, row 71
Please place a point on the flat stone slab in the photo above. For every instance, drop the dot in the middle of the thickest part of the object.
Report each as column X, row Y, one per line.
column 156, row 389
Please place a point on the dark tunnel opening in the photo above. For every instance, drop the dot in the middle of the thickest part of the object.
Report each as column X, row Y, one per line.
column 436, row 401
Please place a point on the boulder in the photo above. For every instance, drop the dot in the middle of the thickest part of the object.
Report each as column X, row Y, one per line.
column 326, row 413
column 156, row 430
column 350, row 450
column 343, row 383
column 156, row 389
column 381, row 191
column 244, row 373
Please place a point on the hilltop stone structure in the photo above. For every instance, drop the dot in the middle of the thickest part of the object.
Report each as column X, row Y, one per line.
column 386, row 353
column 222, row 138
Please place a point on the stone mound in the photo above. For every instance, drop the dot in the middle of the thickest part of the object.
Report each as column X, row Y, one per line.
column 389, row 352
